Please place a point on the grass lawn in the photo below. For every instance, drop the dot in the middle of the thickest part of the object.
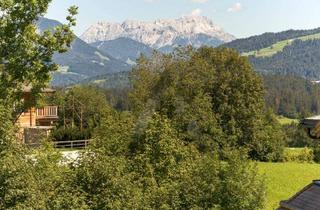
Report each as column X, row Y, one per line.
column 286, row 179
column 286, row 121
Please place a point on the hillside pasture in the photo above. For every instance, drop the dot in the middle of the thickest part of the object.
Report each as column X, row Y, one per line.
column 279, row 46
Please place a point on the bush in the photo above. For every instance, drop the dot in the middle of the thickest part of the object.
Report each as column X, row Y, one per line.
column 304, row 155
column 69, row 134
column 316, row 152
column 296, row 136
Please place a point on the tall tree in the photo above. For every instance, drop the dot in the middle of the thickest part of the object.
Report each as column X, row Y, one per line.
column 25, row 53
column 213, row 97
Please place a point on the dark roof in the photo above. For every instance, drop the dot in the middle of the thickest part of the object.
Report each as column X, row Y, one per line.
column 312, row 126
column 307, row 199
column 310, row 122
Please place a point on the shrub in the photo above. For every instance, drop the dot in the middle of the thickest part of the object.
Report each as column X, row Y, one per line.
column 296, row 136
column 304, row 155
column 69, row 134
column 316, row 152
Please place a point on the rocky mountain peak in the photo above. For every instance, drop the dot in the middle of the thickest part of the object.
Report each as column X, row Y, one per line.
column 159, row 33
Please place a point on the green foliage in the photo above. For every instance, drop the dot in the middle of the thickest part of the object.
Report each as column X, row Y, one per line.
column 303, row 155
column 113, row 136
column 241, row 190
column 300, row 59
column 213, row 98
column 107, row 183
column 80, row 104
column 316, row 152
column 270, row 142
column 69, row 134
column 278, row 47
column 297, row 136
column 36, row 181
column 268, row 39
column 291, row 96
column 156, row 170
column 27, row 55
column 284, row 121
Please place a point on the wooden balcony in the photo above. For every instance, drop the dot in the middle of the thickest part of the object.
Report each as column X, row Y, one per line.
column 47, row 112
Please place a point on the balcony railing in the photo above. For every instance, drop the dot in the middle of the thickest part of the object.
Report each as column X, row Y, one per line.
column 47, row 112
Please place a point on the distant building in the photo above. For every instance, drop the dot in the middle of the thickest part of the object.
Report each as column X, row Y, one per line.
column 36, row 121
column 307, row 199
column 312, row 126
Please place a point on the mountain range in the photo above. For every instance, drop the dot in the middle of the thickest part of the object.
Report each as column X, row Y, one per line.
column 107, row 48
column 112, row 48
column 188, row 30
column 82, row 60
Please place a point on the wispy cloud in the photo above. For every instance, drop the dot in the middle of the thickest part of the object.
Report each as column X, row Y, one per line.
column 237, row 7
column 149, row 1
column 196, row 12
column 199, row 1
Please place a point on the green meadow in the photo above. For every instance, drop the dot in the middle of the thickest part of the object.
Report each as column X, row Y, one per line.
column 285, row 179
column 286, row 121
column 278, row 47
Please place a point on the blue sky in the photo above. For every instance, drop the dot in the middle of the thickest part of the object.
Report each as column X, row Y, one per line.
column 241, row 18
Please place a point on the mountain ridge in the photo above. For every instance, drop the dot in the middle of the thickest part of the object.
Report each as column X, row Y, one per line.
column 124, row 49
column 157, row 34
column 81, row 61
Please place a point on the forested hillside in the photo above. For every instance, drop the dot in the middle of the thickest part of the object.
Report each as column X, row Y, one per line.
column 291, row 96
column 117, row 80
column 301, row 58
column 267, row 39
column 287, row 95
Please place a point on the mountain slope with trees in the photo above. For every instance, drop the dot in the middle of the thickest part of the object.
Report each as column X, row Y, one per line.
column 267, row 39
column 285, row 53
column 81, row 61
column 291, row 96
column 301, row 58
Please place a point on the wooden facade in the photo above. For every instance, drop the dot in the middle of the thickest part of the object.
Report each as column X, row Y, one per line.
column 36, row 121
column 38, row 117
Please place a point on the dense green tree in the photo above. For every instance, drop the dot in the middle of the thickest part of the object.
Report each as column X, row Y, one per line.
column 80, row 106
column 157, row 170
column 33, row 179
column 296, row 136
column 81, row 111
column 270, row 142
column 26, row 54
column 113, row 136
column 212, row 96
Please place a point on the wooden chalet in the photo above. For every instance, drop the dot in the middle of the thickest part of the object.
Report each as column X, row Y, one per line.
column 307, row 199
column 36, row 121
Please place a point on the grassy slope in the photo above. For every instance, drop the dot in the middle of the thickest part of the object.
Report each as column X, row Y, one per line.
column 286, row 121
column 277, row 47
column 286, row 179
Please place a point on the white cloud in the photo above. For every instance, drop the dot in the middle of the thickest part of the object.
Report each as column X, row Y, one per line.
column 149, row 1
column 196, row 12
column 199, row 1
column 237, row 7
